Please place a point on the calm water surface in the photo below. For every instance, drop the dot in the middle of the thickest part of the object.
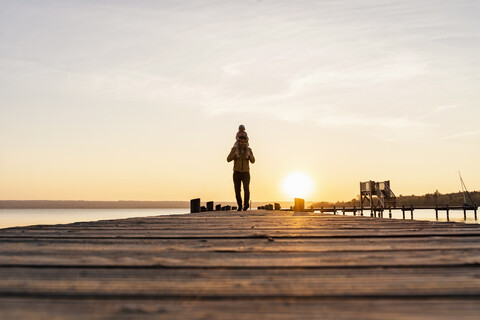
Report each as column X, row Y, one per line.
column 27, row 217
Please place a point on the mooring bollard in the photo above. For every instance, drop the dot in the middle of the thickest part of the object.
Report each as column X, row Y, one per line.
column 210, row 206
column 195, row 205
column 299, row 204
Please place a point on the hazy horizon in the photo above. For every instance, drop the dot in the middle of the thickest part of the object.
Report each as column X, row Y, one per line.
column 187, row 201
column 120, row 100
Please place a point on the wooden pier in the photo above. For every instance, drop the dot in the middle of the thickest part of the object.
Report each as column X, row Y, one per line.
column 253, row 265
column 379, row 212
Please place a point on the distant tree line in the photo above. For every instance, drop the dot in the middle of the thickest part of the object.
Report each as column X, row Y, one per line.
column 80, row 204
column 429, row 199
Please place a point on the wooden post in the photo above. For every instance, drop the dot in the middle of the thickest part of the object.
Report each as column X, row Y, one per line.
column 371, row 198
column 334, row 210
column 464, row 213
column 403, row 212
column 210, row 206
column 390, row 213
column 436, row 211
column 354, row 211
column 448, row 209
column 475, row 210
column 411, row 212
column 299, row 205
column 321, row 209
column 361, row 211
column 195, row 205
column 218, row 207
column 343, row 209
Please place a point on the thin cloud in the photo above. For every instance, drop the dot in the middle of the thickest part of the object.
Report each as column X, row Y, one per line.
column 341, row 120
column 446, row 107
column 460, row 135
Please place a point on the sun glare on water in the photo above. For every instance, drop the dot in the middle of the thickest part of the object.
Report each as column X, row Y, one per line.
column 297, row 185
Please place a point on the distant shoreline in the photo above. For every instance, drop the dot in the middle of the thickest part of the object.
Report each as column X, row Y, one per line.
column 82, row 204
column 429, row 199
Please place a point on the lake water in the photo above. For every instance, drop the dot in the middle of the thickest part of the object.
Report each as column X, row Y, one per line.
column 27, row 217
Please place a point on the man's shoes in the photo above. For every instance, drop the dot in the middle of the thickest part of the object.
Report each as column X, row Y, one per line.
column 245, row 207
column 239, row 208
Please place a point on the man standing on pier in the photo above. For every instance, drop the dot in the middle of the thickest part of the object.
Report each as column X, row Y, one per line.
column 241, row 173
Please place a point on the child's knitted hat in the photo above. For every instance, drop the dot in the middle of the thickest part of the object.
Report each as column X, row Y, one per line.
column 241, row 127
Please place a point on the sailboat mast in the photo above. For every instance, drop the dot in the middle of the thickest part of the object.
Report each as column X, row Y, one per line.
column 463, row 187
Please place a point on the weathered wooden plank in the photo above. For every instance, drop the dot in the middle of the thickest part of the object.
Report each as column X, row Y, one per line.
column 240, row 283
column 120, row 257
column 268, row 309
column 62, row 245
column 245, row 233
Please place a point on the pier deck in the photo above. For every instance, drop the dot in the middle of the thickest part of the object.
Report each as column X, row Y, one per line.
column 254, row 265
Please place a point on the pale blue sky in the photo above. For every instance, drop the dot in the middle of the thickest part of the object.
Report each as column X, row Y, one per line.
column 141, row 99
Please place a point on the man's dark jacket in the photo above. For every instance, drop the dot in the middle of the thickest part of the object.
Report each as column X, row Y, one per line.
column 241, row 163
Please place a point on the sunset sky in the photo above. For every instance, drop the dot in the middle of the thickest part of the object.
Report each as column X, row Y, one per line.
column 141, row 100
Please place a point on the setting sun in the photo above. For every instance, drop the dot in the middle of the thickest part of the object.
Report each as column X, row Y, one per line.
column 297, row 185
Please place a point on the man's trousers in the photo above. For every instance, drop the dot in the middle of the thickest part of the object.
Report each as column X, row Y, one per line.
column 238, row 178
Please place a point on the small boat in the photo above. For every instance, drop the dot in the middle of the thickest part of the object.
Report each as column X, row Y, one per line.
column 465, row 194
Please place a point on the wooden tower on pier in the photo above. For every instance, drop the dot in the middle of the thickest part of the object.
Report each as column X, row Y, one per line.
column 378, row 194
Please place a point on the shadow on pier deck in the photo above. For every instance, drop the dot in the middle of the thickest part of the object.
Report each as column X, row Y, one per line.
column 253, row 265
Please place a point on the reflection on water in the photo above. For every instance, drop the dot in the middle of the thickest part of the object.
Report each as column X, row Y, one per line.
column 454, row 215
column 27, row 217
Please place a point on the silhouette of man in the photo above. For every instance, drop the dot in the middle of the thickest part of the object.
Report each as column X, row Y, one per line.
column 241, row 173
